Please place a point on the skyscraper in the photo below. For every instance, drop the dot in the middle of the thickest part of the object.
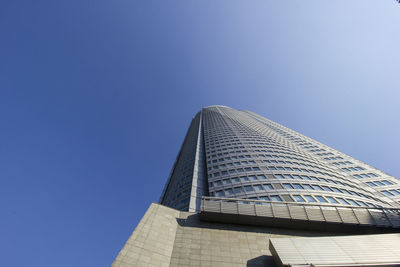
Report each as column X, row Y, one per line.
column 238, row 168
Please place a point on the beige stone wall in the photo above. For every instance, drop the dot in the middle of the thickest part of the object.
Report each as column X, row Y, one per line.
column 216, row 244
column 167, row 237
column 152, row 241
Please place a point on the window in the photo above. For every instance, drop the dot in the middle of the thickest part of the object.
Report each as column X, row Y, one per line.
column 393, row 191
column 361, row 203
column 387, row 182
column 310, row 198
column 307, row 186
column 371, row 184
column 279, row 176
column 352, row 202
column 244, row 179
column 298, row 198
column 298, row 186
column 218, row 183
column 318, row 187
column 288, row 176
column 248, row 188
column 227, row 181
column 337, row 190
column 258, row 187
column 276, row 198
column 262, row 177
column 288, row 186
column 219, row 193
column 327, row 188
column 268, row 186
column 347, row 192
column 341, row 200
column 228, row 192
column 253, row 178
column 332, row 200
column 321, row 199
column 237, row 190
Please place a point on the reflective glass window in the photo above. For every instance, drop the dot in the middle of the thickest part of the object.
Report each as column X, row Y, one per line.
column 298, row 186
column 341, row 200
column 248, row 188
column 228, row 192
column 258, row 187
column 237, row 190
column 288, row 186
column 307, row 186
column 310, row 198
column 352, row 202
column 332, row 200
column 219, row 193
column 321, row 199
column 298, row 198
column 253, row 177
column 227, row 181
column 276, row 198
column 268, row 186
column 244, row 179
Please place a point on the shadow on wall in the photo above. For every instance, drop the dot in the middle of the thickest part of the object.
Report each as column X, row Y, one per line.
column 194, row 220
column 265, row 261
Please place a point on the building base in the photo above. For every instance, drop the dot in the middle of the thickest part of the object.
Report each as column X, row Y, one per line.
column 168, row 237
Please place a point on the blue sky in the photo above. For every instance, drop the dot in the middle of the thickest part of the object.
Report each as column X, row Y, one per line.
column 96, row 97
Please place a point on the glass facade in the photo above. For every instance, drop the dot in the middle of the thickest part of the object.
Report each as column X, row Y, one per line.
column 238, row 154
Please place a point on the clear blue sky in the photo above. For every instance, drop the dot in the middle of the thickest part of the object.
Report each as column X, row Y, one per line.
column 96, row 97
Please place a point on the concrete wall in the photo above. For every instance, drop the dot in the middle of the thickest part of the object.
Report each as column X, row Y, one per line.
column 152, row 241
column 167, row 237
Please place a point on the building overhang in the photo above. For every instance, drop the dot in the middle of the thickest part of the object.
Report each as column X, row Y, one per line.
column 356, row 250
column 300, row 216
